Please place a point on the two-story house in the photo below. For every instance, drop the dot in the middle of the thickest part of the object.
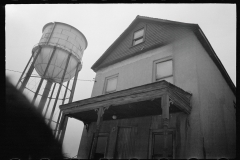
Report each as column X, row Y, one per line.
column 160, row 91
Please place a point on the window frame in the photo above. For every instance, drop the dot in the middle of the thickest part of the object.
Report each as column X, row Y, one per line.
column 101, row 134
column 161, row 131
column 106, row 82
column 154, row 75
column 144, row 33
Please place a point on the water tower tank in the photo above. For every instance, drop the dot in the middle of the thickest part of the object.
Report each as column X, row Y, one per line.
column 67, row 40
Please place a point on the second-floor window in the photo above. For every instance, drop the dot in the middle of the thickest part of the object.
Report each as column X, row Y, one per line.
column 138, row 37
column 163, row 70
column 110, row 84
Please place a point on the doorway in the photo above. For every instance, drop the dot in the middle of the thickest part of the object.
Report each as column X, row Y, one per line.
column 125, row 143
column 156, row 147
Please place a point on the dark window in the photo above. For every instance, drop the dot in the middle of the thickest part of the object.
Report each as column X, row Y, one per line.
column 101, row 147
column 158, row 145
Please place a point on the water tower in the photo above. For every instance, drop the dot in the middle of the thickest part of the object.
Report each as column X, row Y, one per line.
column 57, row 59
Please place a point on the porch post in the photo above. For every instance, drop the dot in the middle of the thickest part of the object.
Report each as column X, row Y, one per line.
column 99, row 122
column 70, row 100
column 62, row 128
column 165, row 117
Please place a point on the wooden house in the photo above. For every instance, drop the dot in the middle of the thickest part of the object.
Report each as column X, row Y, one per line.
column 160, row 91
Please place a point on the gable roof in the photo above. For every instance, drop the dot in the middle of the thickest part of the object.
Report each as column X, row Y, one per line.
column 101, row 63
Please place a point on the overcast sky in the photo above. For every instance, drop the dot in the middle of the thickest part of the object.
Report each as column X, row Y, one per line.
column 102, row 24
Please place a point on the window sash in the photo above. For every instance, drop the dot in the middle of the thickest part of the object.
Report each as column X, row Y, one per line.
column 135, row 42
column 138, row 37
column 111, row 84
column 158, row 145
column 138, row 34
column 164, row 69
column 101, row 146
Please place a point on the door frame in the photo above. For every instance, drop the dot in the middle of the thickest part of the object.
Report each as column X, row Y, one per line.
column 116, row 142
column 155, row 131
column 101, row 134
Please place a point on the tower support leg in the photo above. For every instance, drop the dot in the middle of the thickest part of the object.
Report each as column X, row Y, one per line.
column 70, row 100
column 44, row 74
column 45, row 95
column 30, row 70
column 59, row 89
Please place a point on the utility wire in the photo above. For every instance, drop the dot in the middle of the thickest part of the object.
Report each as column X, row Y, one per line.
column 40, row 77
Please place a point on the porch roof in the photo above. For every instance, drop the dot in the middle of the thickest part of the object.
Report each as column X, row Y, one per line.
column 139, row 101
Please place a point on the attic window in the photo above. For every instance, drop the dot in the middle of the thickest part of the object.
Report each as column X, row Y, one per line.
column 138, row 37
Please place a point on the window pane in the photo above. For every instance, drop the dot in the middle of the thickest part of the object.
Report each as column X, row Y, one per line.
column 101, row 147
column 164, row 69
column 111, row 84
column 170, row 145
column 135, row 42
column 138, row 34
column 158, row 144
column 168, row 79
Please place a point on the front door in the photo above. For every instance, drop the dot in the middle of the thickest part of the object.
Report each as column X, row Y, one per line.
column 157, row 145
column 125, row 143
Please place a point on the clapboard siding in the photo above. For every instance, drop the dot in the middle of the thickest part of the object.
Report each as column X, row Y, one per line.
column 124, row 48
column 155, row 34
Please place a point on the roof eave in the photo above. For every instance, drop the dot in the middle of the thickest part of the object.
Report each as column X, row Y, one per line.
column 136, row 20
column 94, row 66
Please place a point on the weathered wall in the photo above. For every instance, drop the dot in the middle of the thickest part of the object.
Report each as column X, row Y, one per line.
column 140, row 130
column 132, row 72
column 155, row 33
column 212, row 122
column 185, row 75
column 217, row 111
column 213, row 115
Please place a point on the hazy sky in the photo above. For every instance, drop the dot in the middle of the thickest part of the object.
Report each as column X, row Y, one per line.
column 102, row 24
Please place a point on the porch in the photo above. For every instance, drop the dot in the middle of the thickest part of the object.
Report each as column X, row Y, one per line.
column 158, row 98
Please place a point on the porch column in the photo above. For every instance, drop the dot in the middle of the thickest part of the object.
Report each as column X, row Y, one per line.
column 62, row 128
column 165, row 117
column 98, row 127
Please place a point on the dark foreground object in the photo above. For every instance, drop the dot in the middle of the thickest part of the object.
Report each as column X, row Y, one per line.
column 27, row 136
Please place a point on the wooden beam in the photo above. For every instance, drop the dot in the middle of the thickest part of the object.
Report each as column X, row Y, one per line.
column 100, row 112
column 116, row 101
column 157, row 86
column 180, row 103
column 165, row 117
